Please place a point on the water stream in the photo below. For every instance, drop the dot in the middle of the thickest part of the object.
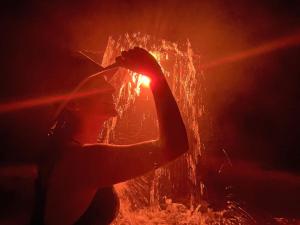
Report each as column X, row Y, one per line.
column 171, row 194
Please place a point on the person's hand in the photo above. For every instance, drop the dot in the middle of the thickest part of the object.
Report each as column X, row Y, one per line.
column 140, row 61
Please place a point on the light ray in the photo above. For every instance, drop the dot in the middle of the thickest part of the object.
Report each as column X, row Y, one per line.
column 284, row 42
column 34, row 102
column 281, row 43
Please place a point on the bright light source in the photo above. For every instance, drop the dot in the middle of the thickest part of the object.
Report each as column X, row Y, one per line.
column 145, row 81
column 155, row 54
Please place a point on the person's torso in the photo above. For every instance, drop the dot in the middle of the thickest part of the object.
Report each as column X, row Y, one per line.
column 100, row 208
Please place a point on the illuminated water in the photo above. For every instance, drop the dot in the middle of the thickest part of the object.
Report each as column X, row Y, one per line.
column 172, row 194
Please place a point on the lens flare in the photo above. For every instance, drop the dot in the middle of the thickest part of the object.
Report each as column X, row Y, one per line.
column 46, row 100
column 271, row 46
column 145, row 81
column 281, row 43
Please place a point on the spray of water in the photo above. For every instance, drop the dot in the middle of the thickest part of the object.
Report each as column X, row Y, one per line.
column 172, row 194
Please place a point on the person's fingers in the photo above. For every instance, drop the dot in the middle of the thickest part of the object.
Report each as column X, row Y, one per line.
column 129, row 55
column 120, row 60
column 126, row 61
column 139, row 54
column 143, row 54
column 139, row 49
column 124, row 53
column 132, row 53
column 137, row 59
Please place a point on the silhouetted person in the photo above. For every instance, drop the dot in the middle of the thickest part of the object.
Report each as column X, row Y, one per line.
column 76, row 175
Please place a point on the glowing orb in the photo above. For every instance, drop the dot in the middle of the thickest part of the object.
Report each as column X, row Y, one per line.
column 145, row 81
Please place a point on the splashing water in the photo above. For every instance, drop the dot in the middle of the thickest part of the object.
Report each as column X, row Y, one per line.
column 172, row 194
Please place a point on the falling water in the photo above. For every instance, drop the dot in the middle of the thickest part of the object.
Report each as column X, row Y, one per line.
column 171, row 194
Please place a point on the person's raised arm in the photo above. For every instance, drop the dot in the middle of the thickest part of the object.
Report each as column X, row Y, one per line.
column 124, row 162
column 173, row 138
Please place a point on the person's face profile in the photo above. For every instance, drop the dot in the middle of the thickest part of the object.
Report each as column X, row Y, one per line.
column 100, row 104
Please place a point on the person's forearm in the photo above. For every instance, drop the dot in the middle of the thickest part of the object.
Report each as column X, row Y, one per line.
column 173, row 136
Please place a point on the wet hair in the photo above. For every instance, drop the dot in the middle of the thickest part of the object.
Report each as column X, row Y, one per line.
column 64, row 126
column 71, row 72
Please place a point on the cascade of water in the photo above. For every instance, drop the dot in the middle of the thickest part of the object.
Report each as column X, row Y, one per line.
column 149, row 199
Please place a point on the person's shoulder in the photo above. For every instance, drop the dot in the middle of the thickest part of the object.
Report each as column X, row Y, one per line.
column 65, row 147
column 71, row 145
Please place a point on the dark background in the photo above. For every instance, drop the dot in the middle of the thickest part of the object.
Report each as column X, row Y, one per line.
column 253, row 104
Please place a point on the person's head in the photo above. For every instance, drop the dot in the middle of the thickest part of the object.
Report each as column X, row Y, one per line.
column 91, row 99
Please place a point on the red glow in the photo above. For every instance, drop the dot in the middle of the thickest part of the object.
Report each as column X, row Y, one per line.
column 277, row 44
column 145, row 81
column 18, row 105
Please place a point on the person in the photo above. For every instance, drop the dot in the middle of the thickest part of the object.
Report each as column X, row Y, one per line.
column 76, row 176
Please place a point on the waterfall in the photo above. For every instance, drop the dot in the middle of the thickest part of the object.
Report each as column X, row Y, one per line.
column 171, row 194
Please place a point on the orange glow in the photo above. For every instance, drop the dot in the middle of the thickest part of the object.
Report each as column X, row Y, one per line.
column 29, row 103
column 155, row 54
column 284, row 42
column 281, row 43
column 145, row 81
column 140, row 80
